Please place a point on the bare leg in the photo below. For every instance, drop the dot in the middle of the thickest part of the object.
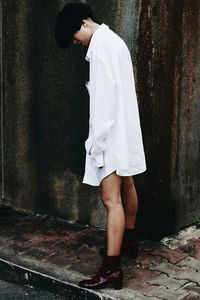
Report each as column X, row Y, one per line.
column 111, row 197
column 130, row 201
column 110, row 270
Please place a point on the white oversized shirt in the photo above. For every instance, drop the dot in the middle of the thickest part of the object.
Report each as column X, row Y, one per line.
column 115, row 140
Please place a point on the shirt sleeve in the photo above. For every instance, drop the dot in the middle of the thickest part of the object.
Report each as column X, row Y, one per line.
column 103, row 106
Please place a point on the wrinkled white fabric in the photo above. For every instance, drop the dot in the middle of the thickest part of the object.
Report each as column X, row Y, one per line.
column 115, row 140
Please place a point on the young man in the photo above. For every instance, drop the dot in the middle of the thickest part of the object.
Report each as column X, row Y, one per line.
column 114, row 147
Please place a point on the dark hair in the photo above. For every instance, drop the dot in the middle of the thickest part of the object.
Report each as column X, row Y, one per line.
column 69, row 20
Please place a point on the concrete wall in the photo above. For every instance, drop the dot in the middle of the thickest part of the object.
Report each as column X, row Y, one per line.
column 168, row 89
column 1, row 109
column 45, row 111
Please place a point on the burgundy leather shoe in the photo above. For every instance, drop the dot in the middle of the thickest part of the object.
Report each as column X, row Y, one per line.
column 103, row 280
column 110, row 272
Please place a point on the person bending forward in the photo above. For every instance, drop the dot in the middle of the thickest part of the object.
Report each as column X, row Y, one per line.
column 114, row 147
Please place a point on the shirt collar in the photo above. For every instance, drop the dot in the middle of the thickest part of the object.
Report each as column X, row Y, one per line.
column 95, row 35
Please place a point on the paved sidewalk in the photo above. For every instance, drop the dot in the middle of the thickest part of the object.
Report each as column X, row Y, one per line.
column 11, row 291
column 52, row 254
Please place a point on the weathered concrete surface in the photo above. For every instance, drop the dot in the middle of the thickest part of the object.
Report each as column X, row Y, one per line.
column 1, row 107
column 168, row 89
column 185, row 151
column 46, row 111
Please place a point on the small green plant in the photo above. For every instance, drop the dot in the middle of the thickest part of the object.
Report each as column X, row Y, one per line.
column 196, row 223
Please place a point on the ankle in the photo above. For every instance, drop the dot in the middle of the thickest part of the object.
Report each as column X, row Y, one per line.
column 130, row 231
column 129, row 228
column 113, row 262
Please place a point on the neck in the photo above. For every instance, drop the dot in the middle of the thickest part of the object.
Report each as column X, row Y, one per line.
column 94, row 27
column 91, row 25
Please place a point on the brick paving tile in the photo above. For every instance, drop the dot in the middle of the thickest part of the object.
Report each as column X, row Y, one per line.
column 159, row 292
column 188, row 249
column 177, row 272
column 138, row 275
column 191, row 263
column 5, row 243
column 164, row 293
column 148, row 245
column 19, row 248
column 59, row 260
column 40, row 240
column 145, row 259
column 87, row 252
column 39, row 254
column 142, row 288
column 192, row 248
column 61, row 231
column 36, row 242
column 167, row 282
column 182, row 238
column 86, row 267
column 192, row 288
column 50, row 243
column 171, row 255
column 68, row 248
column 197, row 249
column 25, row 238
column 91, row 238
column 191, row 296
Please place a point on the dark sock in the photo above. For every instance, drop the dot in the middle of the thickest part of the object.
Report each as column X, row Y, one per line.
column 130, row 232
column 112, row 262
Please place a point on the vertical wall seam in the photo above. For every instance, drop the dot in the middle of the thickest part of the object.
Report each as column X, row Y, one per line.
column 2, row 115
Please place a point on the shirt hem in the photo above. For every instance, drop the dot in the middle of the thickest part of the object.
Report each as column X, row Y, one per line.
column 118, row 172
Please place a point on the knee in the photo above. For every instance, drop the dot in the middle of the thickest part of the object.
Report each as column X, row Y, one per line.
column 110, row 201
column 128, row 184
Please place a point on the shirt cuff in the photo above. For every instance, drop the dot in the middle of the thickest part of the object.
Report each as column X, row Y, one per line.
column 99, row 160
